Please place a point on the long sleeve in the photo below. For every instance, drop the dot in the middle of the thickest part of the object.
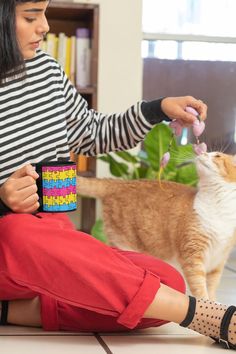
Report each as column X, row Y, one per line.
column 43, row 118
column 92, row 133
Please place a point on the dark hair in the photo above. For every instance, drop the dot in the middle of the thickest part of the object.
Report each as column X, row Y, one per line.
column 11, row 59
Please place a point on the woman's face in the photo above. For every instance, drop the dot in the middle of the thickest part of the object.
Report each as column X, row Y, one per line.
column 31, row 26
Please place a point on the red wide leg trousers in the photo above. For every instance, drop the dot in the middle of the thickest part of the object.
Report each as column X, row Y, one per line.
column 83, row 284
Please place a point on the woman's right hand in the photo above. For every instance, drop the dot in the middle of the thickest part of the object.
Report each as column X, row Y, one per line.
column 19, row 192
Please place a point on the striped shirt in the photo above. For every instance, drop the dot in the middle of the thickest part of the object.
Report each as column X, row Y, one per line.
column 42, row 117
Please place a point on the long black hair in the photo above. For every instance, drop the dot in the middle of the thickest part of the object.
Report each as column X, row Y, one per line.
column 11, row 59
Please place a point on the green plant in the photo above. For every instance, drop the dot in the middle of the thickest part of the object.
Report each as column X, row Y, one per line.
column 146, row 163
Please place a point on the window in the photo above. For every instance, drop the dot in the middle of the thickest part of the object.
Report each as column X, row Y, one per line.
column 189, row 29
column 161, row 49
column 196, row 17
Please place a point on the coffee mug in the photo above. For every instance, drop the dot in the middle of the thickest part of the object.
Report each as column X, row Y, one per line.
column 56, row 186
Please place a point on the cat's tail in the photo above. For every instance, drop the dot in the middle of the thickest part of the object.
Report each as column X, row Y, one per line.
column 92, row 187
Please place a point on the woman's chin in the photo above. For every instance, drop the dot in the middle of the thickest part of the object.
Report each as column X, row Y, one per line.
column 29, row 54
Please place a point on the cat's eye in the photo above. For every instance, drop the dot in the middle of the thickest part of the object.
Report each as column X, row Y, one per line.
column 218, row 155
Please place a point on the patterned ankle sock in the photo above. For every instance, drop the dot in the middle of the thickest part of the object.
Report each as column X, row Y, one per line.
column 205, row 317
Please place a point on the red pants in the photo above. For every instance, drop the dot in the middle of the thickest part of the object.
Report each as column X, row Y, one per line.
column 83, row 284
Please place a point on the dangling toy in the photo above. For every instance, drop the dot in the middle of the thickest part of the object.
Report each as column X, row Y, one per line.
column 177, row 127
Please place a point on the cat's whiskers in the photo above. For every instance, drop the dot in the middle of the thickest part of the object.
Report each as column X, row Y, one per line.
column 175, row 156
column 210, row 148
column 183, row 158
column 224, row 144
column 185, row 163
column 224, row 148
column 219, row 145
column 187, row 159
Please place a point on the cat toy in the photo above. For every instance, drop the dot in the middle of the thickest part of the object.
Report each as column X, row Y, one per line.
column 198, row 128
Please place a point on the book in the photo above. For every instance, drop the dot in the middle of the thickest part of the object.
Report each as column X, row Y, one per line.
column 72, row 62
column 56, row 40
column 82, row 163
column 51, row 44
column 83, row 59
column 43, row 45
column 62, row 43
column 68, row 56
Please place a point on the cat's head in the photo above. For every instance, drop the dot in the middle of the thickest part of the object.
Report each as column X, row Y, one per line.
column 217, row 165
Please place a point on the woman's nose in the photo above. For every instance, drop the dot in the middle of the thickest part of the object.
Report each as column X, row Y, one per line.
column 44, row 27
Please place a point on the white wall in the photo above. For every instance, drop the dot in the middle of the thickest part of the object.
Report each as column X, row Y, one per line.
column 120, row 62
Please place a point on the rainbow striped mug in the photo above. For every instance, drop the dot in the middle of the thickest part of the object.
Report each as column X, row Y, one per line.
column 57, row 186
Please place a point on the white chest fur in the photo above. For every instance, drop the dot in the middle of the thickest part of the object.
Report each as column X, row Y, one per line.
column 215, row 206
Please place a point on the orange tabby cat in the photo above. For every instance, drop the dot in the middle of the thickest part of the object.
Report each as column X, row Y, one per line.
column 194, row 226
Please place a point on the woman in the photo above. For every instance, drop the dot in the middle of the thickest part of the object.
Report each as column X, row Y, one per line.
column 50, row 274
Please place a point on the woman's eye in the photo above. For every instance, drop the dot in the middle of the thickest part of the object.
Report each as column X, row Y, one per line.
column 29, row 19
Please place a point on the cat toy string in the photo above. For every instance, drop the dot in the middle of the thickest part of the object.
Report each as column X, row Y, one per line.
column 199, row 148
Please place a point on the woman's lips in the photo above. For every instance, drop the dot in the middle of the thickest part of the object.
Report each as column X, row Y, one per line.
column 35, row 45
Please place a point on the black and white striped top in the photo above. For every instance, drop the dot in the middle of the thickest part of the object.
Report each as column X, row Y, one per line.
column 42, row 117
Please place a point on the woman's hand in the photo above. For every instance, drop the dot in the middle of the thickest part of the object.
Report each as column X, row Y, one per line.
column 19, row 192
column 175, row 108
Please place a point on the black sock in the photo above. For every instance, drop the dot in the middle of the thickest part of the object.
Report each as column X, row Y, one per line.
column 4, row 313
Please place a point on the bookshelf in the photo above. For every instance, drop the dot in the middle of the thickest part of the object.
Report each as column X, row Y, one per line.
column 67, row 17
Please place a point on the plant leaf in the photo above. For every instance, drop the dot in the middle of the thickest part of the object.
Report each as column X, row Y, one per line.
column 98, row 232
column 156, row 144
column 117, row 169
column 125, row 155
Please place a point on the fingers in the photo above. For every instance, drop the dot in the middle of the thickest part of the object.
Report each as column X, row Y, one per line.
column 200, row 107
column 29, row 204
column 23, row 182
column 30, row 210
column 30, row 171
column 24, row 199
column 19, row 192
column 175, row 108
column 27, row 170
column 28, row 191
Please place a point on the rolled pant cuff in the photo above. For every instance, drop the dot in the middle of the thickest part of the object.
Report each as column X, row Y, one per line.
column 134, row 312
column 49, row 313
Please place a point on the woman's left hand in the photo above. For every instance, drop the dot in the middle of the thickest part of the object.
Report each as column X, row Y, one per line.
column 175, row 108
